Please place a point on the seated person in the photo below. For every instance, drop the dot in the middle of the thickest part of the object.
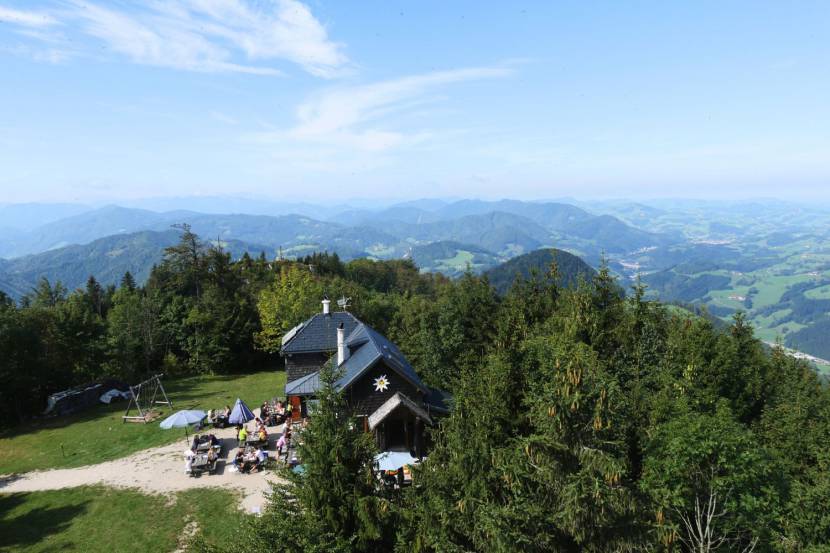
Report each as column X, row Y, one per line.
column 262, row 434
column 211, row 456
column 261, row 458
column 213, row 440
column 249, row 461
column 195, row 443
column 211, row 416
column 222, row 418
column 242, row 435
column 264, row 411
column 239, row 459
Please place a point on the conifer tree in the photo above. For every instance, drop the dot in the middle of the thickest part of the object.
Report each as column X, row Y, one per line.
column 334, row 504
column 128, row 281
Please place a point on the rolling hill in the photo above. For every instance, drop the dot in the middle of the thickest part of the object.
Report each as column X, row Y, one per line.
column 502, row 233
column 506, row 228
column 452, row 258
column 613, row 235
column 106, row 258
column 571, row 268
column 85, row 227
column 550, row 215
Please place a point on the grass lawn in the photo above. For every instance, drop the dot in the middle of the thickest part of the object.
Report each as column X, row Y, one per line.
column 456, row 264
column 100, row 435
column 820, row 293
column 103, row 519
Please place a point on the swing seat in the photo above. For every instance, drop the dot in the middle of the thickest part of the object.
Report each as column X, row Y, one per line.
column 149, row 416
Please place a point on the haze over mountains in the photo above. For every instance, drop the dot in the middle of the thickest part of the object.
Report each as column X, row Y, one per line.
column 768, row 258
column 483, row 233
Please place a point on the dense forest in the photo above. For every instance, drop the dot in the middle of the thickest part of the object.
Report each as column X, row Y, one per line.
column 583, row 419
column 202, row 312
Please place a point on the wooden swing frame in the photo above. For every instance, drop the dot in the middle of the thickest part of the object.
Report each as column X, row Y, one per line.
column 150, row 387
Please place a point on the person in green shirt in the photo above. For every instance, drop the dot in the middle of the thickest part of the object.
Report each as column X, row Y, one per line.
column 243, row 434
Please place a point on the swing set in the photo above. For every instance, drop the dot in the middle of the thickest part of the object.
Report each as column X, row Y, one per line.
column 143, row 397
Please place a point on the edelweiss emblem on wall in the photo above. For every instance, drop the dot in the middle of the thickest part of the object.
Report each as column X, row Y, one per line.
column 381, row 383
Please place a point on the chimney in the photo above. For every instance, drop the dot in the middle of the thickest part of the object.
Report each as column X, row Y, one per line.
column 342, row 349
column 326, row 304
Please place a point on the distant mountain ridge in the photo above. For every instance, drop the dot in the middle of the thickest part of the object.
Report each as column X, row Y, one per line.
column 766, row 257
column 505, row 227
column 440, row 236
column 86, row 227
column 106, row 258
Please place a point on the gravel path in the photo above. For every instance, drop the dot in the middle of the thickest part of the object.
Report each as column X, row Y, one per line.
column 155, row 470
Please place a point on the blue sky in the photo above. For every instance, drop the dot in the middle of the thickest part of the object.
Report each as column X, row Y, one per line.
column 107, row 100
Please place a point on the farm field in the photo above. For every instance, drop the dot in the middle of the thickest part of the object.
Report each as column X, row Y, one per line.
column 99, row 435
column 771, row 262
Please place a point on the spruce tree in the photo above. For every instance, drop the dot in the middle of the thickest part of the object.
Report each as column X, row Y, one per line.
column 128, row 281
column 334, row 505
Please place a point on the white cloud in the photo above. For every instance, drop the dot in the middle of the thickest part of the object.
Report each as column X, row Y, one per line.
column 164, row 43
column 288, row 31
column 204, row 35
column 352, row 116
column 26, row 19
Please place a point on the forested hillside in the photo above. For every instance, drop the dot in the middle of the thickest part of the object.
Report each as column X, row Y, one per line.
column 569, row 268
column 452, row 258
column 768, row 259
column 106, row 259
column 582, row 420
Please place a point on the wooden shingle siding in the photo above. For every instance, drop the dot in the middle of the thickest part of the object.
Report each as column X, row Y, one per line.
column 365, row 400
column 302, row 364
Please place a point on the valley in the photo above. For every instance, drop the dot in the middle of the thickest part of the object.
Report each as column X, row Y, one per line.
column 768, row 259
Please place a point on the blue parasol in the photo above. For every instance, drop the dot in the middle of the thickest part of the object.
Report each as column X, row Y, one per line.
column 240, row 414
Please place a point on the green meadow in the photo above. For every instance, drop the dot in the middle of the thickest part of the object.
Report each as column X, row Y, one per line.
column 99, row 434
column 99, row 519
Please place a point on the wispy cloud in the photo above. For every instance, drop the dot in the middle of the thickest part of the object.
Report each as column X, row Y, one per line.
column 353, row 116
column 203, row 35
column 26, row 18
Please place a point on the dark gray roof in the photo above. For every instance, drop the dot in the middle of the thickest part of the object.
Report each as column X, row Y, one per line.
column 318, row 334
column 304, row 386
column 367, row 348
column 438, row 400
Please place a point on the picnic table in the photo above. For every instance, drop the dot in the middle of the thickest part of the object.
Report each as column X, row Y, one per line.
column 200, row 464
column 203, row 447
column 199, row 461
